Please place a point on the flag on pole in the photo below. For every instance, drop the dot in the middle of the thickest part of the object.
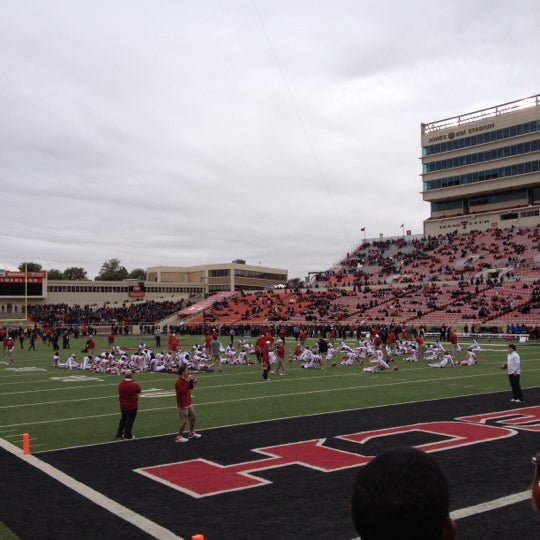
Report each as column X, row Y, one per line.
column 402, row 225
column 363, row 229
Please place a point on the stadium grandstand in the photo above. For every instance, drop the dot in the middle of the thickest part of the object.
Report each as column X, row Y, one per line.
column 478, row 281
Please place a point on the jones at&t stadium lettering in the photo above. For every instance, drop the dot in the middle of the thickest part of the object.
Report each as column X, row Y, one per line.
column 203, row 478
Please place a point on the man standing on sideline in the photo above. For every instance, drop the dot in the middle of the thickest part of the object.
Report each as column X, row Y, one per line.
column 9, row 349
column 420, row 347
column 513, row 367
column 280, row 357
column 454, row 348
column 323, row 351
column 128, row 395
column 33, row 337
column 183, row 387
column 90, row 345
column 215, row 351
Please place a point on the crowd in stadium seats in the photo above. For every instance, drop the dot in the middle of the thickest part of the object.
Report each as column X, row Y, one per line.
column 489, row 278
column 129, row 313
column 479, row 279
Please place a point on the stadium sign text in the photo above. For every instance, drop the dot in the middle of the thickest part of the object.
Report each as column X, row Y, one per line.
column 461, row 133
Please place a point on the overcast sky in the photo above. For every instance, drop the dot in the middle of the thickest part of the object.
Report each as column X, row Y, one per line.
column 186, row 132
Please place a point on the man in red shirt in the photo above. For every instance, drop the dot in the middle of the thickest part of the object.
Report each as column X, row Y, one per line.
column 265, row 360
column 207, row 341
column 332, row 335
column 260, row 341
column 128, row 395
column 183, row 387
column 90, row 345
column 420, row 347
column 9, row 348
column 173, row 342
column 454, row 344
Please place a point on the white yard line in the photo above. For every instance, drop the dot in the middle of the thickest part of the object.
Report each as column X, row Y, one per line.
column 491, row 505
column 149, row 527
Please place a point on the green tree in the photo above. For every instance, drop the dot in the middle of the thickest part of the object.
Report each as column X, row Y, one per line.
column 112, row 270
column 137, row 273
column 54, row 273
column 75, row 273
column 30, row 266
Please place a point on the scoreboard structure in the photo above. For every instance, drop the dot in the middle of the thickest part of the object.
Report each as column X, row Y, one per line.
column 22, row 284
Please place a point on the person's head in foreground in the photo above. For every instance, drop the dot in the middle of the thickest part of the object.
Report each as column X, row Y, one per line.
column 402, row 494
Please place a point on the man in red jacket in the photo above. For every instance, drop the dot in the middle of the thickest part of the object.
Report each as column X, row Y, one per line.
column 128, row 395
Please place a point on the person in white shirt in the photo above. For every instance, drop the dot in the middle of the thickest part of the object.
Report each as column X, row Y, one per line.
column 348, row 359
column 71, row 363
column 86, row 362
column 230, row 355
column 344, row 347
column 447, row 361
column 378, row 363
column 471, row 359
column 513, row 368
column 56, row 359
column 435, row 352
column 312, row 360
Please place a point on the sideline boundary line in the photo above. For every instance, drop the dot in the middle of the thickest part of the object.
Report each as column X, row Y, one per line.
column 160, row 409
column 146, row 525
column 491, row 505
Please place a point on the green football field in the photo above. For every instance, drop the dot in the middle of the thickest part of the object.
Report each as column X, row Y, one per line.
column 62, row 408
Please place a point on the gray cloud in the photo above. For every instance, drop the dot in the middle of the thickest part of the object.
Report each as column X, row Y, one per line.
column 167, row 133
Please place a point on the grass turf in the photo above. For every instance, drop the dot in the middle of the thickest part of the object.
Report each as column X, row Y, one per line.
column 61, row 408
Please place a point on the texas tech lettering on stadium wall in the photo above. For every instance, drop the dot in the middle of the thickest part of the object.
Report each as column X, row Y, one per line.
column 203, row 478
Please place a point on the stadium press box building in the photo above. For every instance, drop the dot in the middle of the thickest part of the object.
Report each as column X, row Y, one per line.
column 482, row 169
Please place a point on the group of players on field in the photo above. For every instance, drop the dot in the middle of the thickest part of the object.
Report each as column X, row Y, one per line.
column 377, row 357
